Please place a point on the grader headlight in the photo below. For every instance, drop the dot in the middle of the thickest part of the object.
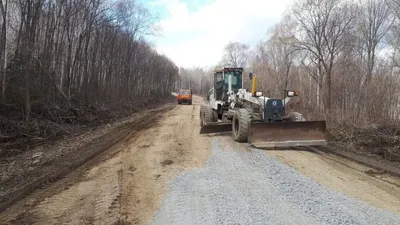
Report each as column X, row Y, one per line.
column 259, row 93
column 292, row 93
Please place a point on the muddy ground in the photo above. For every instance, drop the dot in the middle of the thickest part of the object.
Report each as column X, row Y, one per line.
column 129, row 169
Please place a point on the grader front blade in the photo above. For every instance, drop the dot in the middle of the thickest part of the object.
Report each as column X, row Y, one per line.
column 287, row 134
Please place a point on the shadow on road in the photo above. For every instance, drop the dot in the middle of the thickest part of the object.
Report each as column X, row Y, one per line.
column 285, row 149
column 211, row 129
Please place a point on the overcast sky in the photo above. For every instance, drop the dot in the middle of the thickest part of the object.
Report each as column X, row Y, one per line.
column 194, row 32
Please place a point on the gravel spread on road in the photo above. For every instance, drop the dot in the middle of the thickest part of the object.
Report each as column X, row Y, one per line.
column 238, row 187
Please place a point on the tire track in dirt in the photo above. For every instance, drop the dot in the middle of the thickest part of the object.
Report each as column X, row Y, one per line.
column 87, row 201
column 75, row 196
column 23, row 176
column 176, row 147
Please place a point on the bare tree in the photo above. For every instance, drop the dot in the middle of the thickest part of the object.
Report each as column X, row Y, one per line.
column 135, row 18
column 373, row 22
column 3, row 48
column 324, row 26
column 394, row 6
column 235, row 54
column 281, row 52
column 394, row 32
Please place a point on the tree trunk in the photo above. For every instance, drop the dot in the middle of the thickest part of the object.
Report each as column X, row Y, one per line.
column 3, row 53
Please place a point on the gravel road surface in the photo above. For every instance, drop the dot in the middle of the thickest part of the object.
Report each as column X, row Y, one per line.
column 252, row 188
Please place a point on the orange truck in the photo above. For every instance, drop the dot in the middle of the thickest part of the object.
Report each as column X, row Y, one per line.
column 185, row 96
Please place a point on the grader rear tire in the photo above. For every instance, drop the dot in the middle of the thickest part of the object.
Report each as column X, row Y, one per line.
column 240, row 125
column 208, row 115
column 215, row 115
column 201, row 116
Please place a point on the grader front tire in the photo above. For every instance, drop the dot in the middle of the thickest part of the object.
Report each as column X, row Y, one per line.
column 240, row 125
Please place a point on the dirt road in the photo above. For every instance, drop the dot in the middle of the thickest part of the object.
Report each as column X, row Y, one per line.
column 128, row 182
column 170, row 173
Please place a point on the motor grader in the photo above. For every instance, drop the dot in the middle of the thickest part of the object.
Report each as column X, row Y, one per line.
column 254, row 118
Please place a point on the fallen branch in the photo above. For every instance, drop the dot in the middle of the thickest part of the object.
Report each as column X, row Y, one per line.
column 67, row 131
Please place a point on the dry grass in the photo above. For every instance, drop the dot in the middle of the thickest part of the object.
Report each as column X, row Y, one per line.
column 380, row 140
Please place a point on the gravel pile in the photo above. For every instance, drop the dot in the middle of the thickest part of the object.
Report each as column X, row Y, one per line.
column 252, row 188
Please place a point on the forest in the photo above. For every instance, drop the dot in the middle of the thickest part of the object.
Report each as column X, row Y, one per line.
column 76, row 62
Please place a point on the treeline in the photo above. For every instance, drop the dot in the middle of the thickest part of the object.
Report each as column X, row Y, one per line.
column 198, row 79
column 343, row 57
column 73, row 54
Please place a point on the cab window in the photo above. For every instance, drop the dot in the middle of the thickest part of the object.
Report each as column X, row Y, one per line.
column 184, row 92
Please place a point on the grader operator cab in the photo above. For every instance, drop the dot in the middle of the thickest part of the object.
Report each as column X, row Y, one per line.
column 253, row 118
